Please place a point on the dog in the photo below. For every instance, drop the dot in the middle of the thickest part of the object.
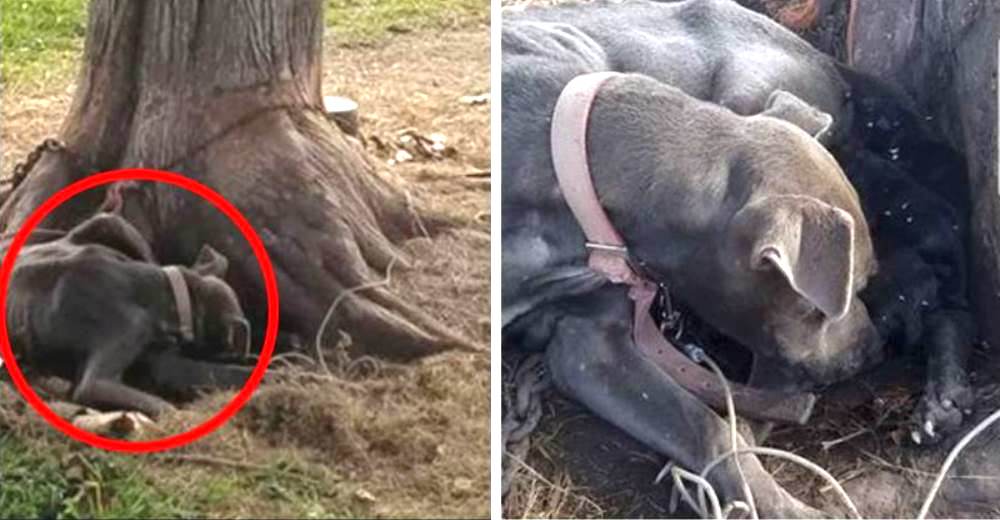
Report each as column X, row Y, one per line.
column 749, row 219
column 93, row 304
column 718, row 51
column 919, row 299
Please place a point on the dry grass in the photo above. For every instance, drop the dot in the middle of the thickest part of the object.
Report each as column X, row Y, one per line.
column 404, row 441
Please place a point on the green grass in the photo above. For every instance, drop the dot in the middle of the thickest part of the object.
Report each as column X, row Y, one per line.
column 42, row 38
column 35, row 484
column 367, row 21
column 54, row 480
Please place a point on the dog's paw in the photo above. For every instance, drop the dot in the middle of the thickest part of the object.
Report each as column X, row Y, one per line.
column 940, row 412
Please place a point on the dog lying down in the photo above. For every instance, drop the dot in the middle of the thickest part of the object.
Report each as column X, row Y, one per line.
column 93, row 305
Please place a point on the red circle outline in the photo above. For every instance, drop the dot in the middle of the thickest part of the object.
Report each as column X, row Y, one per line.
column 270, row 335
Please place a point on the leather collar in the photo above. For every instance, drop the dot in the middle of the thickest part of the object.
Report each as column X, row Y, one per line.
column 182, row 300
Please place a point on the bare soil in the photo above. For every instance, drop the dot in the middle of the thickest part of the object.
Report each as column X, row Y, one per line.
column 378, row 439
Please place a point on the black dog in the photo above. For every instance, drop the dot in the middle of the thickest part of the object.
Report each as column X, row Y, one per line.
column 92, row 304
column 919, row 297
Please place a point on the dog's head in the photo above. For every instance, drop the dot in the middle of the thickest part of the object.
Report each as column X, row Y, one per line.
column 791, row 267
column 783, row 273
column 219, row 320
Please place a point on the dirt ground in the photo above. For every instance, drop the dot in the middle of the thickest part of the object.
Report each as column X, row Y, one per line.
column 380, row 440
column 582, row 466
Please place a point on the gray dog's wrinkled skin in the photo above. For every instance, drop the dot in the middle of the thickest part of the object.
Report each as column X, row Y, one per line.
column 748, row 219
column 92, row 304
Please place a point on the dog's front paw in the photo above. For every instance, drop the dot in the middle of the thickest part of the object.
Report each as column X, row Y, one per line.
column 941, row 411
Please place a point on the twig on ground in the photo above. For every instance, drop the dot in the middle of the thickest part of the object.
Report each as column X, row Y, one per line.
column 826, row 445
column 416, row 215
column 238, row 464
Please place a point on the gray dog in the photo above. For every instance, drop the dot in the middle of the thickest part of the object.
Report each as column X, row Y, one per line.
column 749, row 220
column 92, row 304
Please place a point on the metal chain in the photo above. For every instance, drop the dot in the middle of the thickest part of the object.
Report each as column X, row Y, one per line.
column 53, row 145
column 22, row 169
column 523, row 411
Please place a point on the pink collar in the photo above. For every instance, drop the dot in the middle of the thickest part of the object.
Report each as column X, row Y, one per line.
column 609, row 256
column 608, row 253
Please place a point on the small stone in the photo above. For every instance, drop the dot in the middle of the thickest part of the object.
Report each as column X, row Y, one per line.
column 462, row 484
column 364, row 495
column 403, row 156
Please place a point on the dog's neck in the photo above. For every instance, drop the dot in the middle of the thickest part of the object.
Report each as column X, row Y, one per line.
column 181, row 304
column 645, row 194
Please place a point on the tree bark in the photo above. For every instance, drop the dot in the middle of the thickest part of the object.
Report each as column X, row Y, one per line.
column 228, row 93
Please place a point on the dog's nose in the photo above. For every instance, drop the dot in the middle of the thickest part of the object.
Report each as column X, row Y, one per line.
column 864, row 353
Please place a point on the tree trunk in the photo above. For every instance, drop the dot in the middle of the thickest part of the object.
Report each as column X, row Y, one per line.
column 228, row 93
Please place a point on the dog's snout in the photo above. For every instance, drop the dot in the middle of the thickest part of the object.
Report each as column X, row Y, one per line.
column 867, row 353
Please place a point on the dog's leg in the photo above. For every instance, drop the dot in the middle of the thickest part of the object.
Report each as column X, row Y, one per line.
column 769, row 374
column 592, row 359
column 115, row 232
column 175, row 373
column 99, row 383
column 114, row 395
column 948, row 395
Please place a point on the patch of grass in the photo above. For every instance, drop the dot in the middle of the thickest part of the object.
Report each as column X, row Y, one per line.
column 40, row 38
column 367, row 21
column 34, row 484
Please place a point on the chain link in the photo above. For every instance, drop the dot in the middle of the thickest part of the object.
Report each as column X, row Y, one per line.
column 523, row 411
column 49, row 145
column 22, row 169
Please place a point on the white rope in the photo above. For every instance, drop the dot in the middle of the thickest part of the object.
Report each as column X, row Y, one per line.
column 925, row 509
column 704, row 487
column 798, row 459
column 733, row 434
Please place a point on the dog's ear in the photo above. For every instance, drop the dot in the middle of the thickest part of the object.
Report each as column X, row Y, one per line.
column 210, row 262
column 789, row 107
column 809, row 242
